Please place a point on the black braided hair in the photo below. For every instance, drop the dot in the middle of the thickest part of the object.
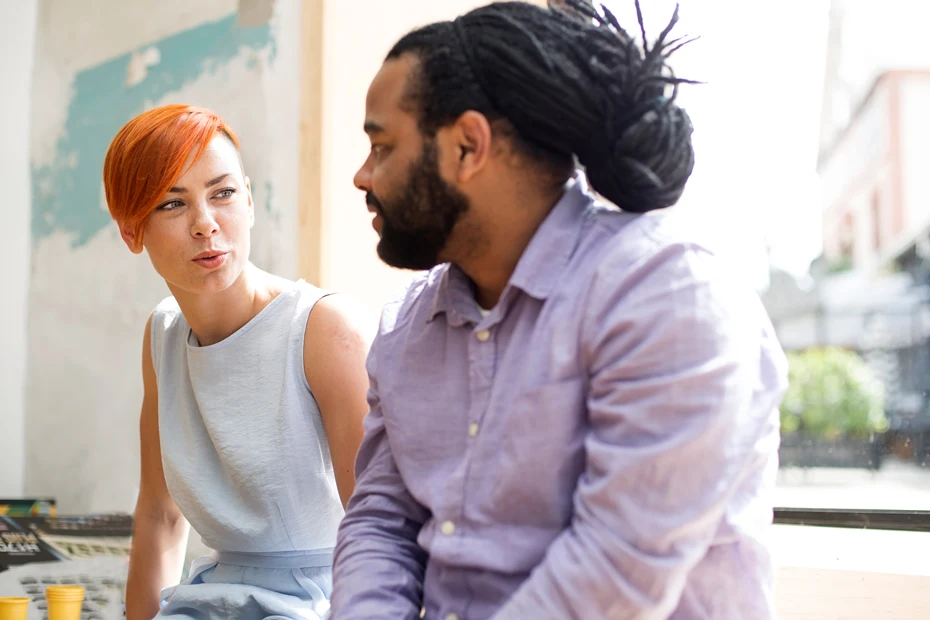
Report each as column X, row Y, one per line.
column 565, row 82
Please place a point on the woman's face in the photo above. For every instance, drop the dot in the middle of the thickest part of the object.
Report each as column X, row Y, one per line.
column 198, row 237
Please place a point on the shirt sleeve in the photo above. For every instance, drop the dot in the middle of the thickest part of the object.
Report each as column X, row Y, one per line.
column 378, row 567
column 672, row 346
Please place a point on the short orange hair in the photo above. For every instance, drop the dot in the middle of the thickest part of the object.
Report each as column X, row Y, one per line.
column 148, row 155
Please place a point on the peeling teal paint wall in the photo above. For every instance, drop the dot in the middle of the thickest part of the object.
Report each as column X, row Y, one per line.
column 67, row 194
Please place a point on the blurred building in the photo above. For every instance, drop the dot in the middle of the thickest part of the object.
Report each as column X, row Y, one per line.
column 869, row 289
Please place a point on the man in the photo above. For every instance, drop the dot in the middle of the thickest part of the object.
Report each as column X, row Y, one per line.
column 574, row 411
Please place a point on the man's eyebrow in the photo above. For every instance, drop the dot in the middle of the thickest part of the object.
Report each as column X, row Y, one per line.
column 371, row 127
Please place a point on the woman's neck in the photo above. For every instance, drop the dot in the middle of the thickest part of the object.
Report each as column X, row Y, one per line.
column 213, row 317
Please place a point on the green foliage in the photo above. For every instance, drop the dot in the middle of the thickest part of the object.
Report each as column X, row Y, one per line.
column 832, row 393
column 840, row 265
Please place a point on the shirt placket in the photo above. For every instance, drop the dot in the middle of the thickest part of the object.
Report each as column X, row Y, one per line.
column 482, row 349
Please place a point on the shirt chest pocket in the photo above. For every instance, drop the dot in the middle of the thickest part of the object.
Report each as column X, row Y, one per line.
column 542, row 452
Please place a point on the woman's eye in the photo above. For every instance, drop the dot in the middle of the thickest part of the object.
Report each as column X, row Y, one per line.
column 170, row 206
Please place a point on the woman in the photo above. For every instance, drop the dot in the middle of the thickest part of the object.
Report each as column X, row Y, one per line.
column 254, row 388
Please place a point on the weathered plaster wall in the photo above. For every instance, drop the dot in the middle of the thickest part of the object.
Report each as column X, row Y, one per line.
column 89, row 297
column 17, row 40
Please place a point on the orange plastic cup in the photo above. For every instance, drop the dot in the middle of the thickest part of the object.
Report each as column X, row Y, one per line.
column 14, row 608
column 64, row 602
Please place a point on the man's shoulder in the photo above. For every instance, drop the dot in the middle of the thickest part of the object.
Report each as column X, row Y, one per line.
column 620, row 249
column 630, row 237
column 412, row 301
column 665, row 264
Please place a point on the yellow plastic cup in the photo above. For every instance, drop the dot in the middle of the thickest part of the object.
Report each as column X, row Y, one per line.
column 14, row 608
column 64, row 602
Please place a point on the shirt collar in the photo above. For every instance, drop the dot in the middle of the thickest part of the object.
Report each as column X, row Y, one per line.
column 540, row 267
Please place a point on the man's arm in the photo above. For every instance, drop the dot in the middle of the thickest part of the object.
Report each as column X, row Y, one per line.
column 674, row 355
column 378, row 566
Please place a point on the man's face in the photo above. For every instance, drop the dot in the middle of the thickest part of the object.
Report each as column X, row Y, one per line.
column 415, row 208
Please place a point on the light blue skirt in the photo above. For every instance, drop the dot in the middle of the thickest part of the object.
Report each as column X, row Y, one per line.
column 219, row 589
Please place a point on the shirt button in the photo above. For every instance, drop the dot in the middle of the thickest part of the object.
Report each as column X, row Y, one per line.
column 472, row 430
column 483, row 335
column 448, row 528
column 452, row 616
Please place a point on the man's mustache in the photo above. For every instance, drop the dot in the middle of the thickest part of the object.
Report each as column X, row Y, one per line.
column 372, row 201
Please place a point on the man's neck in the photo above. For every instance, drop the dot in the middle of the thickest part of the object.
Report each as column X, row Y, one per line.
column 510, row 225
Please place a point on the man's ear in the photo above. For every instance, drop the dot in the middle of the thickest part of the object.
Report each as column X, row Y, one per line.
column 130, row 238
column 472, row 136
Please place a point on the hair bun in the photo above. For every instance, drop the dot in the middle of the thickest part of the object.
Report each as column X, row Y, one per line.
column 647, row 165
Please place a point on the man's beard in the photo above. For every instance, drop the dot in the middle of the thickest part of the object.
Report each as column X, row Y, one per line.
column 417, row 224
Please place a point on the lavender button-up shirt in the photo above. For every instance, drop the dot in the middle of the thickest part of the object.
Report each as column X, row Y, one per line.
column 602, row 444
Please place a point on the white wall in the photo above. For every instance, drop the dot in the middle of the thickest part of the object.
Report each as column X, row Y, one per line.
column 866, row 144
column 17, row 39
column 860, row 163
column 915, row 153
column 89, row 297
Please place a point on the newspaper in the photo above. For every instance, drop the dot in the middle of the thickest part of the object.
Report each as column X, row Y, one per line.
column 26, row 540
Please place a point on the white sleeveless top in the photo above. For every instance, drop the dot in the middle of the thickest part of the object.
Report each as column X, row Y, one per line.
column 242, row 441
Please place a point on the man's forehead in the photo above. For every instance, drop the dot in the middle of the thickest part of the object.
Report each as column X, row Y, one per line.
column 389, row 87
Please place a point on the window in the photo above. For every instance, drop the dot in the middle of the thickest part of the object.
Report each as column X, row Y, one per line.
column 773, row 146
